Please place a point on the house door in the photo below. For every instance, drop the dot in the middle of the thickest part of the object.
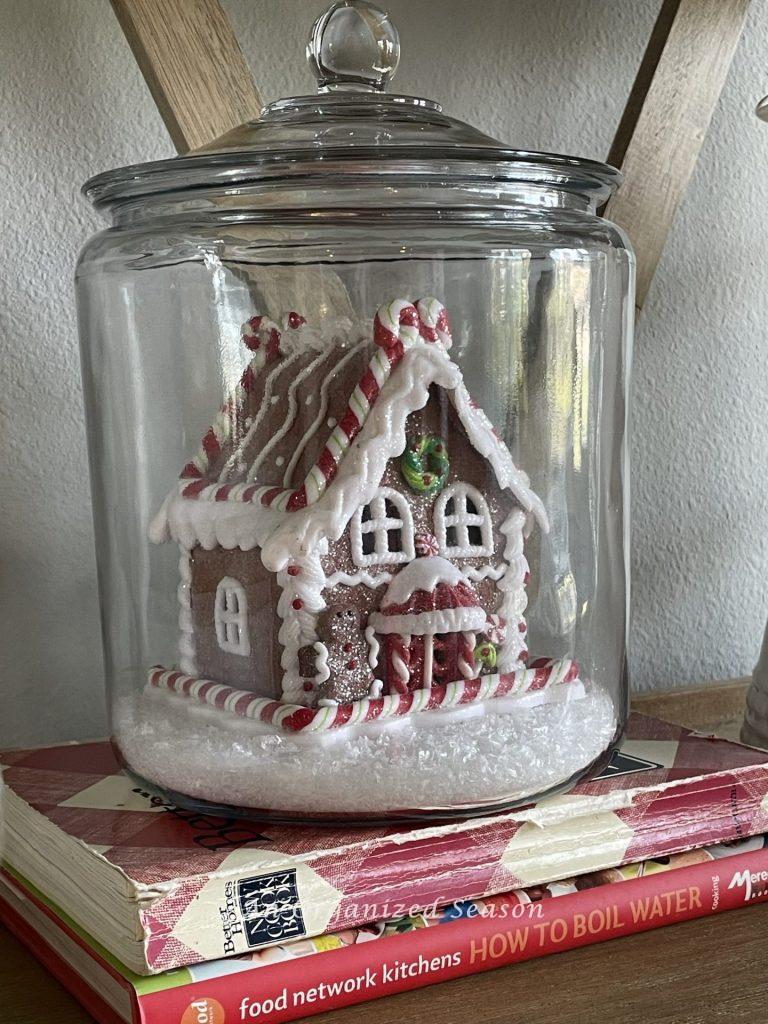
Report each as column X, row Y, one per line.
column 416, row 662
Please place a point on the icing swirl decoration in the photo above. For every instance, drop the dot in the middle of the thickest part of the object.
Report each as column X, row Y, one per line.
column 424, row 464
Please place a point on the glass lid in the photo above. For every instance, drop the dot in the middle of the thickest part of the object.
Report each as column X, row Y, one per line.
column 353, row 128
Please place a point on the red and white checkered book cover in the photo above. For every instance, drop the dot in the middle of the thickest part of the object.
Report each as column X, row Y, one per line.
column 200, row 887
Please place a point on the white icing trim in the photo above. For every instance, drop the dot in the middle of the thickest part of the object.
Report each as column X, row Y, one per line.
column 421, row 574
column 460, row 520
column 512, row 587
column 187, row 647
column 233, row 523
column 290, row 418
column 373, row 647
column 379, row 524
column 232, row 622
column 447, row 620
column 315, row 425
column 266, row 405
column 321, row 663
column 486, row 442
column 366, row 579
column 482, row 572
column 298, row 628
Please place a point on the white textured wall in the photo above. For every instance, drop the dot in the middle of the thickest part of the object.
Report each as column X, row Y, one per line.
column 547, row 75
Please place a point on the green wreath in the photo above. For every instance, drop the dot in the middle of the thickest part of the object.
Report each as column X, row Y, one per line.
column 424, row 464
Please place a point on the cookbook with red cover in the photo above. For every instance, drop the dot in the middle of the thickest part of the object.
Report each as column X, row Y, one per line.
column 162, row 888
column 307, row 976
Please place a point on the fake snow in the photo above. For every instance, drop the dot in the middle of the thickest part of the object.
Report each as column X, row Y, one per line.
column 488, row 758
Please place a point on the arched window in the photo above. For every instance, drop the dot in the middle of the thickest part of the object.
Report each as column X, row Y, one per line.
column 463, row 523
column 382, row 531
column 231, row 617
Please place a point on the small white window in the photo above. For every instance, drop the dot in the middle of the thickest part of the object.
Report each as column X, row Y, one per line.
column 463, row 523
column 382, row 532
column 231, row 616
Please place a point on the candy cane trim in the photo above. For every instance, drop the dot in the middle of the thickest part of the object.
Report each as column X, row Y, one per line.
column 294, row 718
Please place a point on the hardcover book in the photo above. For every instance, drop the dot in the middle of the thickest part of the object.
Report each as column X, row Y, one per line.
column 161, row 888
column 411, row 950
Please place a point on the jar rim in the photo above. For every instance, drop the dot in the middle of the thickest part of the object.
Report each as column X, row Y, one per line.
column 459, row 167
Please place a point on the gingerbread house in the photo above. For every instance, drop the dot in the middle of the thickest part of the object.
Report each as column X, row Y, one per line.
column 352, row 527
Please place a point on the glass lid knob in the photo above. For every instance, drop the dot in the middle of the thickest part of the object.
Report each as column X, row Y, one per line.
column 353, row 47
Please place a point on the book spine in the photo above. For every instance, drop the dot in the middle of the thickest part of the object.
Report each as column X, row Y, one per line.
column 66, row 975
column 507, row 931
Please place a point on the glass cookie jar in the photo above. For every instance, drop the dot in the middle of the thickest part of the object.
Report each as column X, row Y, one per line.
column 356, row 378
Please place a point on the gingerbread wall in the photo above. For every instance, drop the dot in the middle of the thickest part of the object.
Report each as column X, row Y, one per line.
column 260, row 671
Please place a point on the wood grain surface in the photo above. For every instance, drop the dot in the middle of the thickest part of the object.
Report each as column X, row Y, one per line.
column 711, row 971
column 193, row 65
column 717, row 706
column 666, row 119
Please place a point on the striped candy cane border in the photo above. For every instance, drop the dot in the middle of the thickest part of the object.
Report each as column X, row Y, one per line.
column 396, row 327
column 293, row 718
column 261, row 336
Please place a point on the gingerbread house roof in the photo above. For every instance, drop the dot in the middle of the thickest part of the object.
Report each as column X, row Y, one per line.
column 305, row 438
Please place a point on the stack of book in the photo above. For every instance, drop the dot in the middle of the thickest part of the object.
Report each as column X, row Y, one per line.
column 150, row 913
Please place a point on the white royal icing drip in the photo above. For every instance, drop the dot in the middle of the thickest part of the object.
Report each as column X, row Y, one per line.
column 187, row 649
column 512, row 586
column 421, row 574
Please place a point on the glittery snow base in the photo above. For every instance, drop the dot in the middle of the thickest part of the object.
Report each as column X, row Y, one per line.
column 474, row 760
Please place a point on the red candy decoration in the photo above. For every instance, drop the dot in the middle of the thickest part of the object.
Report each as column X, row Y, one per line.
column 293, row 570
column 352, row 664
column 298, row 604
column 308, row 687
column 347, row 648
column 295, row 320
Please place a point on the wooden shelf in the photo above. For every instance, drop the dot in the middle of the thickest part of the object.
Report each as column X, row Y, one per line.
column 690, row 973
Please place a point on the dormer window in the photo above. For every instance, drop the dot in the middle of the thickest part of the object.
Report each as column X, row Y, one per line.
column 231, row 617
column 382, row 531
column 463, row 522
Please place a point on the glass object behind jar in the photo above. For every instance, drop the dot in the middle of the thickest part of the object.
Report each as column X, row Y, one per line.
column 540, row 311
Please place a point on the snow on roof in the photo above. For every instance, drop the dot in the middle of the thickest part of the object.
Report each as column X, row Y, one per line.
column 291, row 418
column 422, row 574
